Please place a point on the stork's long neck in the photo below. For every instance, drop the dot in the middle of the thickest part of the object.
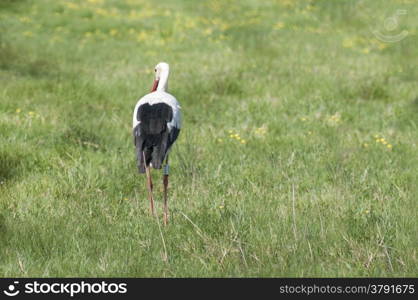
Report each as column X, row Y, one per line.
column 163, row 82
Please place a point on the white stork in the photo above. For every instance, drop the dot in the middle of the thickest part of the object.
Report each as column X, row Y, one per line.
column 156, row 126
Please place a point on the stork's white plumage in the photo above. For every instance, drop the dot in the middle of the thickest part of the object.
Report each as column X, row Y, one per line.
column 160, row 97
column 156, row 126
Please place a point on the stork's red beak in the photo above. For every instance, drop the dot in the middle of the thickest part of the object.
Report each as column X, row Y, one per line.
column 155, row 85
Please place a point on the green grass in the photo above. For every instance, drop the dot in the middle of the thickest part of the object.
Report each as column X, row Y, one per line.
column 318, row 179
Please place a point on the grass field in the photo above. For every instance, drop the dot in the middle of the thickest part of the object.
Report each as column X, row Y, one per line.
column 298, row 154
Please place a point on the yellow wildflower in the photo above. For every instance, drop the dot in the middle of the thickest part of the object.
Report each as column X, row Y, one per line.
column 348, row 43
column 382, row 46
column 25, row 20
column 142, row 36
column 208, row 31
column 278, row 25
column 72, row 5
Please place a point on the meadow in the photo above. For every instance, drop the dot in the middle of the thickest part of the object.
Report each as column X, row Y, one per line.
column 298, row 154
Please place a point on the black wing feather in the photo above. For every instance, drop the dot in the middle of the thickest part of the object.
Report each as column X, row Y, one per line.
column 172, row 137
column 152, row 137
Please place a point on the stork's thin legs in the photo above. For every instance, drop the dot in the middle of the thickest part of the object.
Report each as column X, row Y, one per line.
column 165, row 182
column 149, row 186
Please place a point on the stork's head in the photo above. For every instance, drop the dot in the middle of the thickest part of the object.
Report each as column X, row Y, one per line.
column 161, row 74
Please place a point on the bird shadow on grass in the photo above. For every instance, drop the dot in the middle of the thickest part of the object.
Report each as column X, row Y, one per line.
column 16, row 164
column 366, row 89
column 415, row 103
column 225, row 82
column 2, row 226
column 12, row 4
column 407, row 118
column 80, row 137
column 20, row 62
column 10, row 165
column 4, row 233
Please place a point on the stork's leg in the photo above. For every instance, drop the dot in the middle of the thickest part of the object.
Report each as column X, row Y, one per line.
column 165, row 182
column 149, row 185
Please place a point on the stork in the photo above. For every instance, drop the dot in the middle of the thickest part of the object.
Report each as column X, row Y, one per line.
column 156, row 126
